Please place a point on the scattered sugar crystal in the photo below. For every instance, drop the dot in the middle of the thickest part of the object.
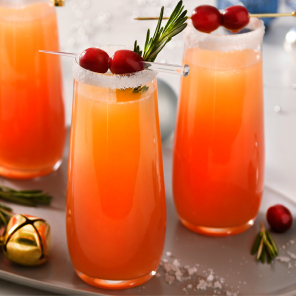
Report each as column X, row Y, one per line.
column 290, row 265
column 192, row 270
column 174, row 271
column 202, row 285
column 169, row 278
column 228, row 293
column 291, row 242
column 178, row 275
column 283, row 259
column 217, row 285
column 176, row 262
column 292, row 255
column 157, row 274
column 283, row 247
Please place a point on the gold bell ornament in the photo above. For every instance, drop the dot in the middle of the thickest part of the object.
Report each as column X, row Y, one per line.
column 58, row 2
column 26, row 240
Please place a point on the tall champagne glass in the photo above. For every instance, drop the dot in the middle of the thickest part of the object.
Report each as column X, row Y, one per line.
column 218, row 162
column 115, row 197
column 32, row 120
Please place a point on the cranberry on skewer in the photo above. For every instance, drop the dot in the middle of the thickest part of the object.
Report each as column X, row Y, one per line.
column 126, row 61
column 235, row 18
column 206, row 18
column 94, row 59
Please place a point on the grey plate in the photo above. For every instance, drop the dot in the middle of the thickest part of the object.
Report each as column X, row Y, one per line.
column 228, row 257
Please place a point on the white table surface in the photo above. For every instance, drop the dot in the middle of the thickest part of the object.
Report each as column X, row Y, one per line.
column 279, row 75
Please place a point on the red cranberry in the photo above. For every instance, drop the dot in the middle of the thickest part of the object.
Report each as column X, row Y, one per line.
column 206, row 18
column 94, row 59
column 126, row 61
column 279, row 218
column 234, row 18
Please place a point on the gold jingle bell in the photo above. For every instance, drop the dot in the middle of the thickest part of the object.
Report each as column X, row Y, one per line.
column 26, row 240
column 58, row 2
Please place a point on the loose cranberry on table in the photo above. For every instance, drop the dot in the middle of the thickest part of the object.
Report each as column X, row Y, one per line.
column 126, row 61
column 94, row 59
column 206, row 18
column 234, row 18
column 279, row 218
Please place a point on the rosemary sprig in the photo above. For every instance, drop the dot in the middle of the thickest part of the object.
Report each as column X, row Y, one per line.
column 5, row 215
column 264, row 246
column 162, row 35
column 25, row 197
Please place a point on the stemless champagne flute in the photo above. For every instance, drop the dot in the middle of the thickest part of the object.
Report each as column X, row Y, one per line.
column 32, row 120
column 218, row 161
column 116, row 213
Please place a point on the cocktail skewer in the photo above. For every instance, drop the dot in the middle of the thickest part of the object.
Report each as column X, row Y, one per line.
column 293, row 13
column 182, row 70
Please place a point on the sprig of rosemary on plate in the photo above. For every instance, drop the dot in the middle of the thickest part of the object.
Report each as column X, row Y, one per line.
column 264, row 246
column 162, row 35
column 25, row 197
column 5, row 215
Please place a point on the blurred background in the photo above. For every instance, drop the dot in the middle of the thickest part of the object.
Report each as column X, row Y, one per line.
column 88, row 23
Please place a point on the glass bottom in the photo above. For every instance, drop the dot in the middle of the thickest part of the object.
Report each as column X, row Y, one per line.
column 115, row 285
column 211, row 231
column 28, row 174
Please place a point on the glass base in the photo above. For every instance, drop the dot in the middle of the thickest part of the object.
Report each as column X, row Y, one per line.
column 115, row 285
column 28, row 174
column 211, row 231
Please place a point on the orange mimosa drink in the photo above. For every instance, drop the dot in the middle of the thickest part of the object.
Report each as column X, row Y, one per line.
column 32, row 121
column 116, row 213
column 218, row 169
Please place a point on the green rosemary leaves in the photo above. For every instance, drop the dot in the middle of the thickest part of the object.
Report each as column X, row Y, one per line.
column 264, row 246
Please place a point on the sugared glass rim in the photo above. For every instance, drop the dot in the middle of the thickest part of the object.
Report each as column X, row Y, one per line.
column 224, row 43
column 109, row 80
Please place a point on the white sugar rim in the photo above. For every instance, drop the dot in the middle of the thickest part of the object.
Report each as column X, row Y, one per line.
column 249, row 40
column 110, row 80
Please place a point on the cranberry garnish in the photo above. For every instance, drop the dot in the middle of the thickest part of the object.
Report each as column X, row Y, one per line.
column 126, row 61
column 234, row 18
column 94, row 59
column 206, row 18
column 279, row 218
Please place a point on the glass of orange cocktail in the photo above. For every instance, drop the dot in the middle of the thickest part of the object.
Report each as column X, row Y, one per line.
column 32, row 120
column 218, row 161
column 115, row 197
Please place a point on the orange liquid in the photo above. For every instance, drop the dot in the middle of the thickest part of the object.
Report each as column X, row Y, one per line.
column 32, row 121
column 115, row 197
column 218, row 168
